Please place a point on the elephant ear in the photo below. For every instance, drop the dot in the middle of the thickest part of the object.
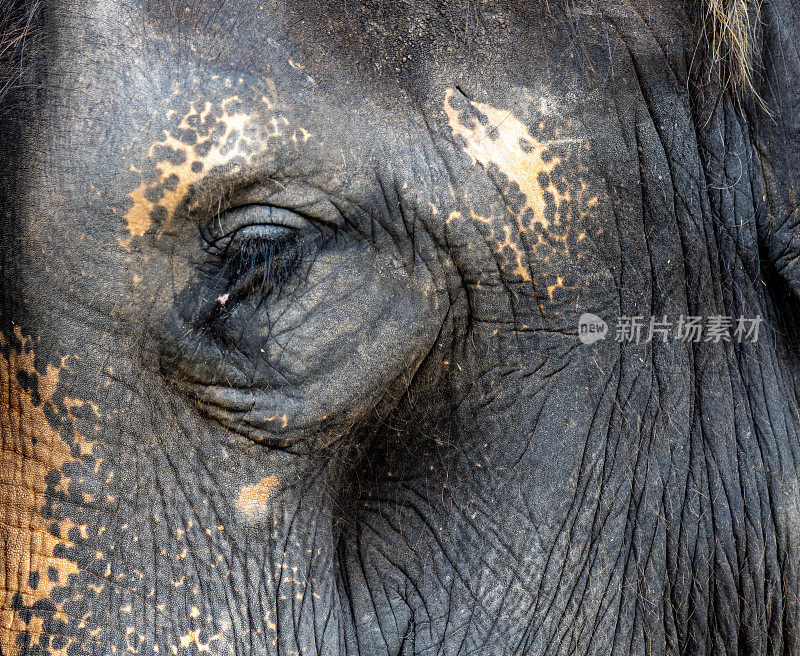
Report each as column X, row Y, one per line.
column 776, row 128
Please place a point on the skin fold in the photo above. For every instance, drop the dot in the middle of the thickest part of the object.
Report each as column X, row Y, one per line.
column 289, row 359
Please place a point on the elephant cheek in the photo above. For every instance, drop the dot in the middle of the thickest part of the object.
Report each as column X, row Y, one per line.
column 37, row 444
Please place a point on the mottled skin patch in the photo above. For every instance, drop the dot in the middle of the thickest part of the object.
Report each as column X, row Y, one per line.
column 204, row 135
column 68, row 568
column 33, row 452
column 495, row 136
column 184, row 164
column 549, row 206
column 252, row 500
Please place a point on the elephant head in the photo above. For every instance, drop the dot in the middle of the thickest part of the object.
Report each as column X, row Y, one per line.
column 292, row 356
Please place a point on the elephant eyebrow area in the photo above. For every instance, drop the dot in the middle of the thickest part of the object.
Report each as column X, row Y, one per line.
column 202, row 140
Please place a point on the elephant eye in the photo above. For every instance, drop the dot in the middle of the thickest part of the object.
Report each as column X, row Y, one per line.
column 259, row 262
column 262, row 251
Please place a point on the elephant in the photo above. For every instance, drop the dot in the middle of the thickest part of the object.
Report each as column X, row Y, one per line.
column 362, row 328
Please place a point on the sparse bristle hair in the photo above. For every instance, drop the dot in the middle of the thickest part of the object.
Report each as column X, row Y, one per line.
column 17, row 27
column 731, row 34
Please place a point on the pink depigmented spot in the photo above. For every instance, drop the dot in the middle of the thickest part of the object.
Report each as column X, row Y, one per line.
column 521, row 268
column 281, row 418
column 252, row 499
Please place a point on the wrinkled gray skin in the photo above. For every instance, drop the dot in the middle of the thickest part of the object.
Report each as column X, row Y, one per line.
column 388, row 439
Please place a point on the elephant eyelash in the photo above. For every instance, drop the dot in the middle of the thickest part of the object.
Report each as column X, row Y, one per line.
column 258, row 265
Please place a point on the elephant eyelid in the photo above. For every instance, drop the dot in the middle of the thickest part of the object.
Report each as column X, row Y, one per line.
column 220, row 231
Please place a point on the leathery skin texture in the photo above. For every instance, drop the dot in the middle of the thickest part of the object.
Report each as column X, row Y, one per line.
column 289, row 351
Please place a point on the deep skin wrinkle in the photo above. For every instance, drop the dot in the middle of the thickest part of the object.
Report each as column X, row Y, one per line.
column 289, row 363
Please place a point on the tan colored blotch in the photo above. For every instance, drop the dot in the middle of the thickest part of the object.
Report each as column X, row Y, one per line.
column 500, row 143
column 193, row 638
column 509, row 241
column 139, row 217
column 29, row 449
column 559, row 284
column 252, row 499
